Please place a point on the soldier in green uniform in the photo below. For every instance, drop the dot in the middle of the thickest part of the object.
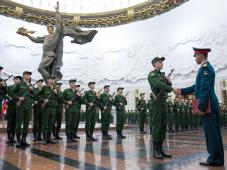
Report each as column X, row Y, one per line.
column 69, row 98
column 176, row 112
column 23, row 93
column 49, row 95
column 183, row 115
column 160, row 86
column 142, row 109
column 11, row 111
column 105, row 103
column 78, row 102
column 58, row 114
column 150, row 101
column 90, row 98
column 170, row 115
column 37, row 112
column 190, row 122
column 120, row 102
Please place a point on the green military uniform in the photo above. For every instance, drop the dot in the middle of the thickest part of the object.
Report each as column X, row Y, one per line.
column 78, row 102
column 58, row 117
column 49, row 111
column 225, row 112
column 11, row 115
column 160, row 88
column 23, row 111
column 149, row 105
column 69, row 95
column 142, row 108
column 105, row 103
column 3, row 93
column 190, row 122
column 120, row 102
column 91, row 113
column 37, row 118
column 170, row 116
column 176, row 112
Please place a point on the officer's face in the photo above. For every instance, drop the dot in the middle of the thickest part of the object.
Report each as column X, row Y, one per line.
column 26, row 76
column 107, row 89
column 50, row 29
column 120, row 91
column 142, row 97
column 77, row 88
column 198, row 58
column 92, row 86
column 72, row 85
column 16, row 81
column 50, row 81
column 158, row 64
column 40, row 84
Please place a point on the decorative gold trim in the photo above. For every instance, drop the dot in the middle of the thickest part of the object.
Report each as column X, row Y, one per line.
column 130, row 14
column 18, row 11
column 138, row 12
column 76, row 20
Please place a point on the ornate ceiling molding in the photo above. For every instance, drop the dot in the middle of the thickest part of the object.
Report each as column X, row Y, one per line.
column 147, row 9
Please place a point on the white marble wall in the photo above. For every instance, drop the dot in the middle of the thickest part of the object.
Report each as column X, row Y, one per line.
column 121, row 55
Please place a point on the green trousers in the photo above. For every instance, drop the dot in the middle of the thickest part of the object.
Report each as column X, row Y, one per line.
column 58, row 119
column 142, row 118
column 23, row 116
column 90, row 120
column 120, row 120
column 105, row 120
column 170, row 119
column 70, row 121
column 159, row 122
column 11, row 118
column 37, row 121
column 77, row 120
column 48, row 119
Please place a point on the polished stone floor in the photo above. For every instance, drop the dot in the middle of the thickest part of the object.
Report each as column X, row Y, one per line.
column 135, row 152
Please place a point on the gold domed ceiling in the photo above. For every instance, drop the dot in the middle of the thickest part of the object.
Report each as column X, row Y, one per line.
column 87, row 14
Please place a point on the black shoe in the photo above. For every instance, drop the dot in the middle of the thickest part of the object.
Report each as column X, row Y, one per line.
column 210, row 164
column 88, row 138
column 72, row 139
column 157, row 155
column 156, row 151
column 19, row 144
column 165, row 155
column 44, row 139
column 24, row 142
column 76, row 136
column 92, row 138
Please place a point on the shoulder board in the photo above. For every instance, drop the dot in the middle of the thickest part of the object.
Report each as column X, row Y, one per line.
column 205, row 65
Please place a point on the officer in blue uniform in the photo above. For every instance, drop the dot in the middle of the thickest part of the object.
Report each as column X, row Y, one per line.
column 204, row 92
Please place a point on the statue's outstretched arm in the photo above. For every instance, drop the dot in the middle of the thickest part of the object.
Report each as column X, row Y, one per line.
column 36, row 39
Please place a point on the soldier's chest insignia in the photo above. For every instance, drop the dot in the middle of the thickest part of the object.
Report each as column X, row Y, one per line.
column 205, row 73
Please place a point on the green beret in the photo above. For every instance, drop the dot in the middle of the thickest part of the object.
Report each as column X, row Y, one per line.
column 40, row 80
column 106, row 86
column 90, row 83
column 120, row 88
column 27, row 72
column 51, row 77
column 157, row 59
column 72, row 80
column 17, row 77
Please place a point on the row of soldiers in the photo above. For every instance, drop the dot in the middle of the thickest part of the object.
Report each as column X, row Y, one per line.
column 179, row 117
column 48, row 102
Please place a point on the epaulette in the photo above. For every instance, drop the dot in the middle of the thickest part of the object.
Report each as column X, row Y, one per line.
column 205, row 65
